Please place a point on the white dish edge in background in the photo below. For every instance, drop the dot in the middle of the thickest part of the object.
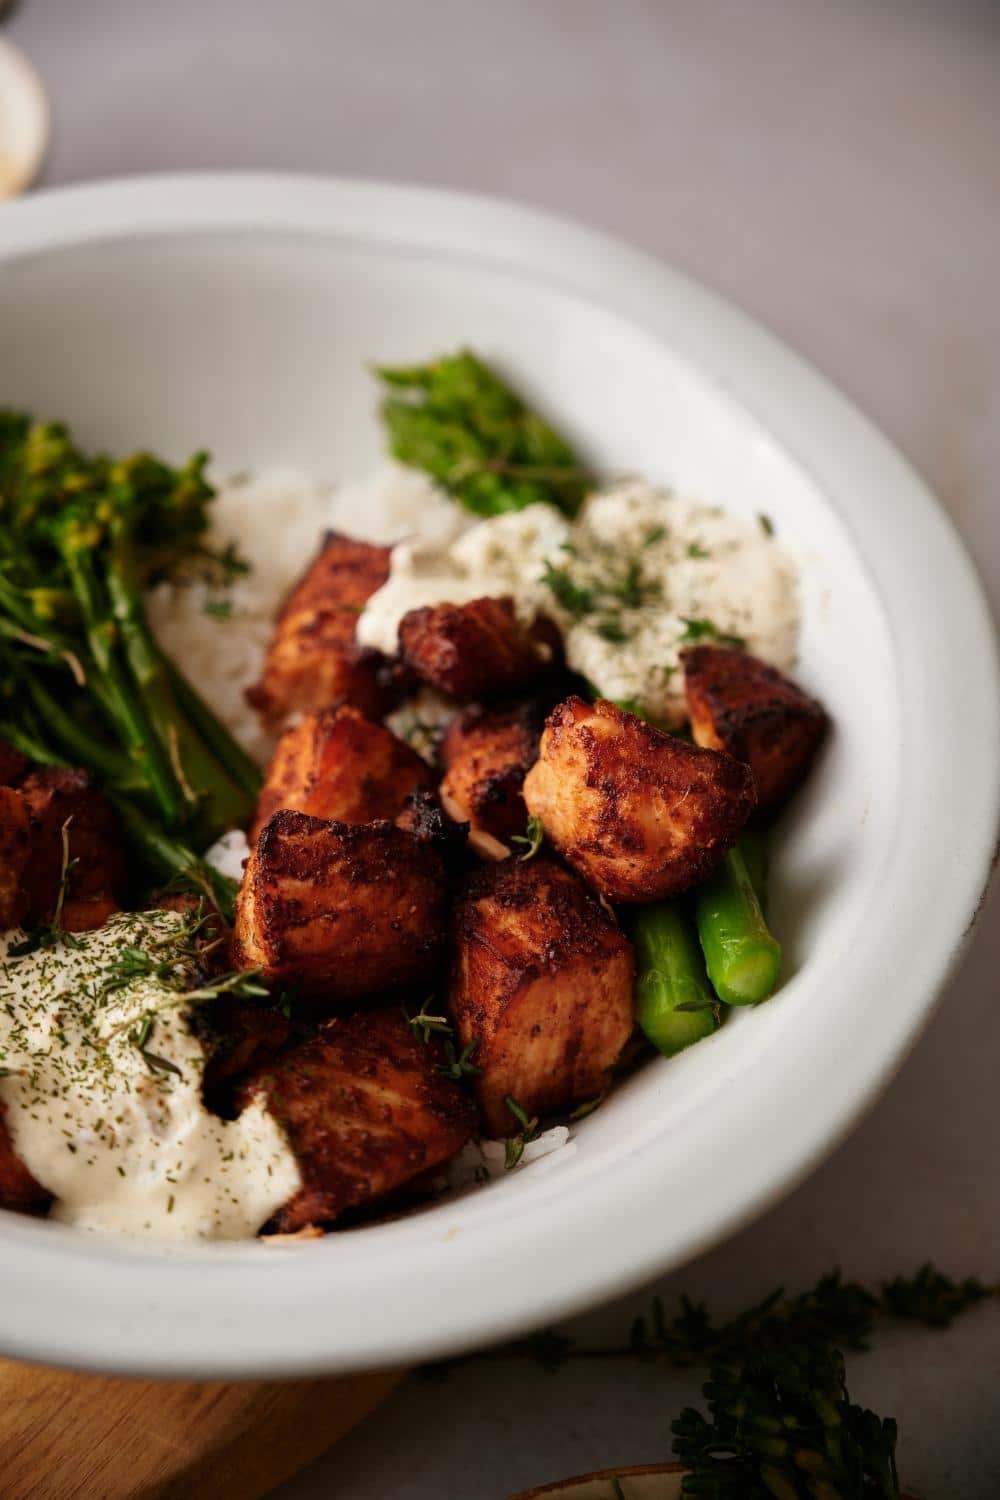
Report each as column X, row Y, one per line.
column 444, row 1281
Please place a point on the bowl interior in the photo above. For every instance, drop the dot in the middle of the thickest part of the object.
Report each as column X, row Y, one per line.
column 254, row 342
column 258, row 347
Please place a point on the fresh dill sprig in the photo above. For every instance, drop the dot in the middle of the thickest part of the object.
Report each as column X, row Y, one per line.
column 532, row 838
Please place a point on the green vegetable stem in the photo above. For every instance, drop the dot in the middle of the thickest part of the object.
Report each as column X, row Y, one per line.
column 742, row 957
column 674, row 1001
column 83, row 682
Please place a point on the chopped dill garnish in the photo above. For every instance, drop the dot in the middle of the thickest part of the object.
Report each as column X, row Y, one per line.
column 218, row 609
column 611, row 629
column 576, row 599
column 707, row 630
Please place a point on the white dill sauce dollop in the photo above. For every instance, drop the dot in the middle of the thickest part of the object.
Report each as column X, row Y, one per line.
column 637, row 576
column 101, row 1088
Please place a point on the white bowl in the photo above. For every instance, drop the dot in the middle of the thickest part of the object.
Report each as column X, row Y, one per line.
column 239, row 312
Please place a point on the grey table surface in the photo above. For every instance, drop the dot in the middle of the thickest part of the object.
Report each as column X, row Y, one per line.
column 836, row 169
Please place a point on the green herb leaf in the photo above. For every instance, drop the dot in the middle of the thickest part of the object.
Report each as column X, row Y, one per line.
column 515, row 1144
column 612, row 629
column 456, row 419
column 576, row 599
column 532, row 839
column 424, row 1024
column 218, row 609
column 460, row 1065
column 707, row 630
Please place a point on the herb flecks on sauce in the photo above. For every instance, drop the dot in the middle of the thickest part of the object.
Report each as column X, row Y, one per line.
column 101, row 1086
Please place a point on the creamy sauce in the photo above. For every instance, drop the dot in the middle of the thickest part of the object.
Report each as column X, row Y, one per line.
column 638, row 575
column 105, row 1111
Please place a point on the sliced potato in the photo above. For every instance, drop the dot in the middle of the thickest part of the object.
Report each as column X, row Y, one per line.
column 477, row 650
column 743, row 706
column 366, row 1111
column 542, row 981
column 314, row 660
column 639, row 813
column 341, row 910
column 338, row 764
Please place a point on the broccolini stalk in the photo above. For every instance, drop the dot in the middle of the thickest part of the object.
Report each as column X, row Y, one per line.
column 244, row 771
column 459, row 422
column 84, row 681
column 167, row 858
column 78, row 542
column 205, row 783
column 675, row 1005
column 742, row 957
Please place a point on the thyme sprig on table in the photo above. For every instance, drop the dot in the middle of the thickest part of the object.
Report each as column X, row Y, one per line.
column 780, row 1424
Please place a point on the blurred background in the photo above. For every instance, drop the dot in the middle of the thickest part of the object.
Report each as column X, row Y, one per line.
column 834, row 166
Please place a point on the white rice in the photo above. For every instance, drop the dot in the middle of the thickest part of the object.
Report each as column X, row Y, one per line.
column 277, row 519
column 484, row 1160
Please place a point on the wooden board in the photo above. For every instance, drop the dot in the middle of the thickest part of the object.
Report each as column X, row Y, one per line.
column 78, row 1437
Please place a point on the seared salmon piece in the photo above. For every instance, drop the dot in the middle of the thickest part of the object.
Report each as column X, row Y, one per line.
column 314, row 659
column 13, row 765
column 366, row 1111
column 478, row 650
column 341, row 910
column 94, row 853
column 542, row 980
column 487, row 754
column 18, row 1189
column 743, row 706
column 15, row 854
column 338, row 764
column 639, row 813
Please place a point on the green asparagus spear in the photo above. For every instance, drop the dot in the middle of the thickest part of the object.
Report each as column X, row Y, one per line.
column 674, row 1002
column 757, row 858
column 742, row 957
